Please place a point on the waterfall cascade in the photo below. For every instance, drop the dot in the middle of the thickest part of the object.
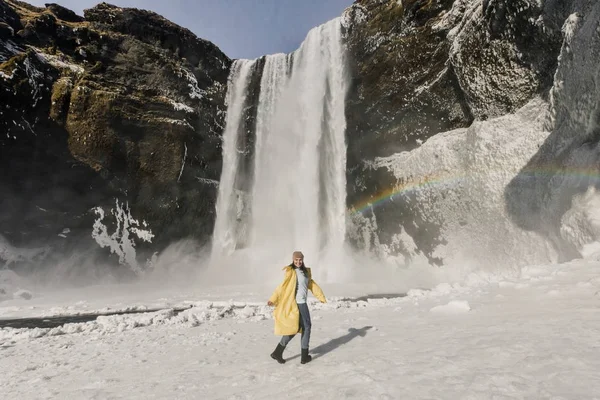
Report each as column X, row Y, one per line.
column 283, row 185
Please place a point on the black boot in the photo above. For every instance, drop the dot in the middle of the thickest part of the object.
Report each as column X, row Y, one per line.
column 278, row 354
column 305, row 357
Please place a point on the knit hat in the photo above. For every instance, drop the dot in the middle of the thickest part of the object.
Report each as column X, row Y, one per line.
column 297, row 254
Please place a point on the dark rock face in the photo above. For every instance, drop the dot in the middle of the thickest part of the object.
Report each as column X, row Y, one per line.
column 421, row 67
column 121, row 104
column 507, row 55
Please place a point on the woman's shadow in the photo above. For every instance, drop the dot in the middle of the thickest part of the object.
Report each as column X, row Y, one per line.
column 337, row 342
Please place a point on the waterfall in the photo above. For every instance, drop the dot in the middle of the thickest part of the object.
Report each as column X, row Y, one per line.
column 297, row 189
column 229, row 201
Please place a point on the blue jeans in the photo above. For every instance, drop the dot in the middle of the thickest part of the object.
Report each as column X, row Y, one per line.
column 305, row 324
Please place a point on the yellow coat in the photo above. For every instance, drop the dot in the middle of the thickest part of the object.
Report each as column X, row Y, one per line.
column 287, row 315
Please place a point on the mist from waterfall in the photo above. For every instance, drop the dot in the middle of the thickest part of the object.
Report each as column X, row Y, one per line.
column 287, row 189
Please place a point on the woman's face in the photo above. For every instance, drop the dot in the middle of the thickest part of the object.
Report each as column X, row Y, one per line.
column 298, row 262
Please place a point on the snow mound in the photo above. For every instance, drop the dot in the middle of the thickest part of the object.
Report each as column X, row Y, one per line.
column 106, row 324
column 515, row 285
column 453, row 307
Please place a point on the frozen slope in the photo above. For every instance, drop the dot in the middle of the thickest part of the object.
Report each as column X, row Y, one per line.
column 456, row 180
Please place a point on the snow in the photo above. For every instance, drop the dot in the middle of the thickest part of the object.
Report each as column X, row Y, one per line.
column 461, row 176
column 354, row 15
column 7, row 76
column 173, row 121
column 61, row 62
column 453, row 307
column 570, row 27
column 581, row 224
column 181, row 107
column 182, row 162
column 34, row 76
column 195, row 91
column 121, row 242
column 207, row 181
column 533, row 336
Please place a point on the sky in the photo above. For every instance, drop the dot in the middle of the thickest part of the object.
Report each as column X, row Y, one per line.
column 240, row 28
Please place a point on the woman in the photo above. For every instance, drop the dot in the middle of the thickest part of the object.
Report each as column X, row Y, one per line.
column 291, row 311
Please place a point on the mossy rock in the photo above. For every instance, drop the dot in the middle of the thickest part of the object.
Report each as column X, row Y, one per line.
column 60, row 99
column 11, row 65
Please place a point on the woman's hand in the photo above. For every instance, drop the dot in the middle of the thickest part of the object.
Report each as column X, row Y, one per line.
column 270, row 303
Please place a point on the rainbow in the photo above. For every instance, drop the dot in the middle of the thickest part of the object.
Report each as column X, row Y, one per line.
column 426, row 182
column 446, row 181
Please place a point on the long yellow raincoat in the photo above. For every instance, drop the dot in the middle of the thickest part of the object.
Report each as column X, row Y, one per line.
column 286, row 314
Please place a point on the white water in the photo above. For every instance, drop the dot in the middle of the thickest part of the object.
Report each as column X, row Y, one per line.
column 297, row 199
column 228, row 209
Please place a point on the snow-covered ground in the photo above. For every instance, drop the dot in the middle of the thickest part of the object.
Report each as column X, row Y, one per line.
column 534, row 335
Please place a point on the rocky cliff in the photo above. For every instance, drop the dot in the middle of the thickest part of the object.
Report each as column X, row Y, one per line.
column 117, row 110
column 423, row 67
